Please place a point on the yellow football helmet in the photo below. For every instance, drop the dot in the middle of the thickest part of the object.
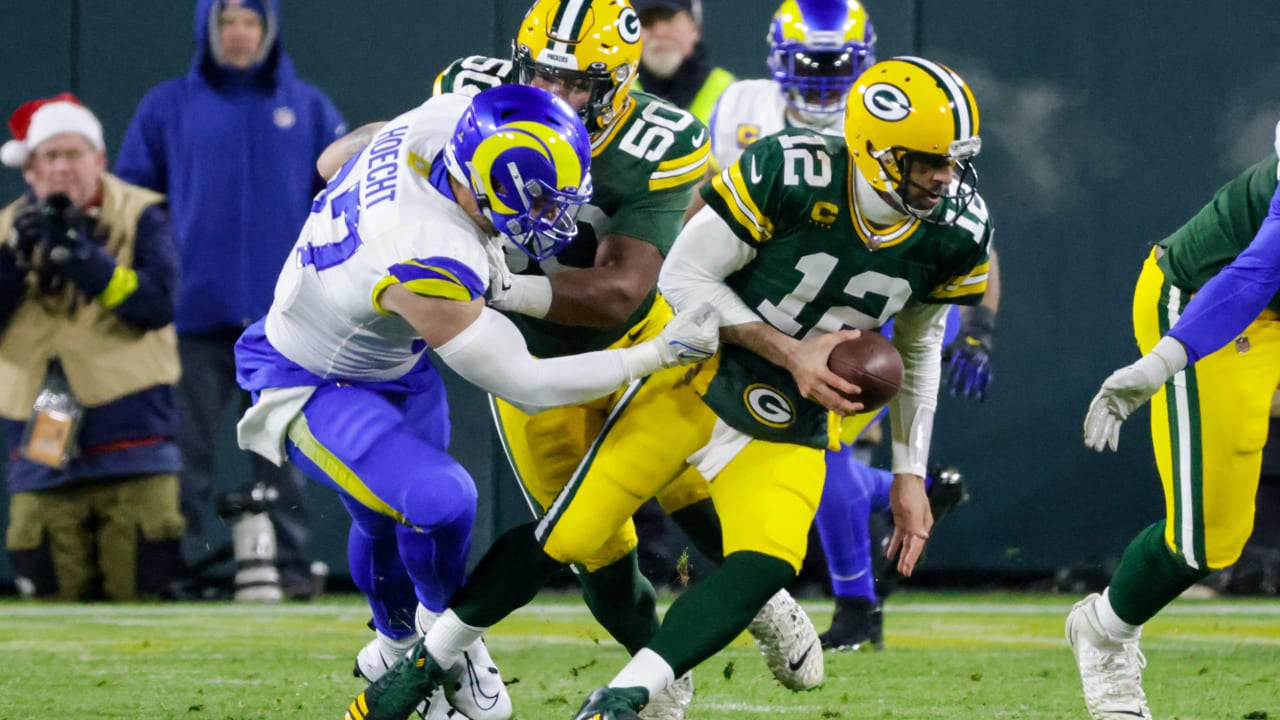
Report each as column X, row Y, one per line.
column 908, row 109
column 588, row 46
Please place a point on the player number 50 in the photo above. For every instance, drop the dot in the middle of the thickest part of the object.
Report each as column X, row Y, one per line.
column 655, row 131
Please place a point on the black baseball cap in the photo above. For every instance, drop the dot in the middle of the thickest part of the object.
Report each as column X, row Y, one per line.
column 693, row 7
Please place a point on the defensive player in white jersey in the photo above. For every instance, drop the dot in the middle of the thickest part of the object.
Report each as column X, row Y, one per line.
column 395, row 259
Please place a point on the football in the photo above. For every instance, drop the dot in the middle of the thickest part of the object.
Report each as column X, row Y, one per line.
column 871, row 362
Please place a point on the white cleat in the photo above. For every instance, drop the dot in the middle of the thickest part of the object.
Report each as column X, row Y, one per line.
column 475, row 686
column 379, row 654
column 1111, row 671
column 672, row 702
column 789, row 642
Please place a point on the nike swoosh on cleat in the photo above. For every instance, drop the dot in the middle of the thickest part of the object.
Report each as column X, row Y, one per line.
column 795, row 664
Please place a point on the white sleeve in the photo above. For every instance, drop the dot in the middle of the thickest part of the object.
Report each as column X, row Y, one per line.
column 917, row 333
column 491, row 354
column 704, row 254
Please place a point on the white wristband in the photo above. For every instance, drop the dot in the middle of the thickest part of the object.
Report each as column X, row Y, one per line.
column 528, row 295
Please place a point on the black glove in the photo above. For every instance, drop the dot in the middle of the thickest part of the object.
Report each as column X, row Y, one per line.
column 968, row 357
column 26, row 234
column 71, row 249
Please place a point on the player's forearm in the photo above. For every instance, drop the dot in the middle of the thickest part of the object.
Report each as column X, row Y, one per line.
column 596, row 296
column 1233, row 298
column 342, row 149
column 918, row 332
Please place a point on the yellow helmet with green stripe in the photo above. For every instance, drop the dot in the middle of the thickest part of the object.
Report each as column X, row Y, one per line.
column 909, row 109
column 587, row 46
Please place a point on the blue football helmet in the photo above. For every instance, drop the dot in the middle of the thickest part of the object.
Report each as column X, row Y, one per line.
column 527, row 158
column 817, row 48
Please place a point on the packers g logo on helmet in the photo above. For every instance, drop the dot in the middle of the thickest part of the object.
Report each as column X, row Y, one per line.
column 906, row 110
column 527, row 158
column 584, row 46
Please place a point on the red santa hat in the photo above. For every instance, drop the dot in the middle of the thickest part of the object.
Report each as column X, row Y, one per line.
column 38, row 120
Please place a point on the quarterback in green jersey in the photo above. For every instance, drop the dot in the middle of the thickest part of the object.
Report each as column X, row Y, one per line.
column 807, row 240
column 599, row 292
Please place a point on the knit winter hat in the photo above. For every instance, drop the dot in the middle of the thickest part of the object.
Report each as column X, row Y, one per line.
column 38, row 120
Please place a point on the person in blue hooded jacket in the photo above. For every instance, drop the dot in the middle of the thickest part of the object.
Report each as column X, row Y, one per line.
column 233, row 144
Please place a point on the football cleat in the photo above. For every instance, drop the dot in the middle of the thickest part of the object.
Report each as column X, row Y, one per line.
column 611, row 703
column 789, row 642
column 475, row 686
column 858, row 624
column 672, row 702
column 401, row 689
column 1111, row 671
column 946, row 492
column 379, row 654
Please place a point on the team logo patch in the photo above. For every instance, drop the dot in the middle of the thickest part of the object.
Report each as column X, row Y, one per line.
column 887, row 102
column 748, row 134
column 768, row 406
column 629, row 25
column 284, row 118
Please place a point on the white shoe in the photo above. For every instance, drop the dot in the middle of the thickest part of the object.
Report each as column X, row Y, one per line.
column 671, row 703
column 1110, row 671
column 789, row 641
column 475, row 686
column 379, row 654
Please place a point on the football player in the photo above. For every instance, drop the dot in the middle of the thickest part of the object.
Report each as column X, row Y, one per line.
column 804, row 236
column 600, row 292
column 817, row 49
column 1209, row 418
column 395, row 259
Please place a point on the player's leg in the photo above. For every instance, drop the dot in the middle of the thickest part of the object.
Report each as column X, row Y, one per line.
column 767, row 496
column 1209, row 424
column 852, row 492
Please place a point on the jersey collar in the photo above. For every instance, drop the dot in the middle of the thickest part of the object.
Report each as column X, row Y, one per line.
column 877, row 223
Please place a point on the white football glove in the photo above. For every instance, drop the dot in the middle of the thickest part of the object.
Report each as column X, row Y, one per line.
column 524, row 294
column 1127, row 389
column 690, row 337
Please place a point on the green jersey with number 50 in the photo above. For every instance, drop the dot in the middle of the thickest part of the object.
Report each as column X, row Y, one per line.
column 644, row 167
column 790, row 197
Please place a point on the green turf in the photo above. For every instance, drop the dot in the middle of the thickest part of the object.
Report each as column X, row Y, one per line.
column 949, row 656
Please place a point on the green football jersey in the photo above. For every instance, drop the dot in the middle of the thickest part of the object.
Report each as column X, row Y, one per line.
column 789, row 197
column 1213, row 237
column 644, row 167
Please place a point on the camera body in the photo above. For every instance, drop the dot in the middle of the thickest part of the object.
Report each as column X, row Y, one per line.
column 45, row 237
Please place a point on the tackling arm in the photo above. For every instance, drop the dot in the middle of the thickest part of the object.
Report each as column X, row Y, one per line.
column 487, row 350
column 605, row 294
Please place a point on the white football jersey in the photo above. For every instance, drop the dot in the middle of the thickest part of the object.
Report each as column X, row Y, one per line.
column 381, row 220
column 747, row 111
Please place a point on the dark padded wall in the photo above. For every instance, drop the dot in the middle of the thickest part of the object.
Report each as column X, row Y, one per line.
column 1105, row 125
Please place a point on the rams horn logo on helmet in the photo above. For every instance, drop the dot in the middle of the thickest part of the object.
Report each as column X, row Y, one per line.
column 769, row 406
column 887, row 102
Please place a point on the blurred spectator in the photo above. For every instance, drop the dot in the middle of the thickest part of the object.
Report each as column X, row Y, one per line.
column 233, row 144
column 673, row 61
column 88, row 362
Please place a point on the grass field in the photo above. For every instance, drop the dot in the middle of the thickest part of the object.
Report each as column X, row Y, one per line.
column 948, row 656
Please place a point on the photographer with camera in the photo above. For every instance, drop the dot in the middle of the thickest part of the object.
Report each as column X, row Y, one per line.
column 88, row 363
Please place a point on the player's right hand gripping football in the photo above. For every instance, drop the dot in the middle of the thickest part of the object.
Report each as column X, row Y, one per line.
column 691, row 337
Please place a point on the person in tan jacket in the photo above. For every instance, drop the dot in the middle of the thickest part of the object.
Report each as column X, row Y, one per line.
column 88, row 363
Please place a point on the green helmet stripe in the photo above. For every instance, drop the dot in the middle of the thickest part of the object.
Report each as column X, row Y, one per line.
column 569, row 21
column 965, row 112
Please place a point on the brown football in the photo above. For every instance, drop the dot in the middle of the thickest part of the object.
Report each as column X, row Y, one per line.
column 871, row 362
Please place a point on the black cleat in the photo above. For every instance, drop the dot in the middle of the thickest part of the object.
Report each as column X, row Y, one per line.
column 947, row 492
column 858, row 624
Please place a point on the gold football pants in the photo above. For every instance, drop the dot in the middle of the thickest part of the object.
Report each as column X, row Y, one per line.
column 1208, row 426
